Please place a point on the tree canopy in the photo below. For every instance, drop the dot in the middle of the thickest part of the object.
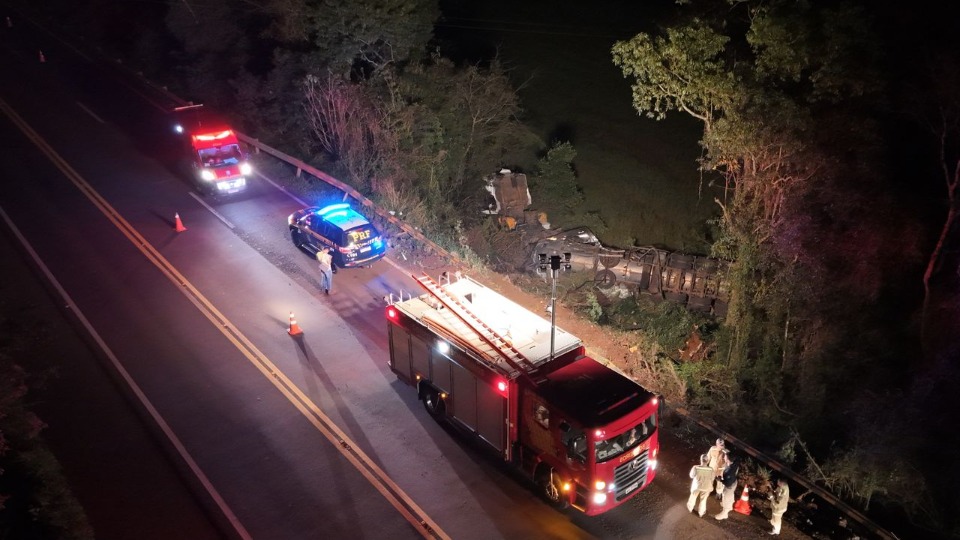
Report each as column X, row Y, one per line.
column 789, row 93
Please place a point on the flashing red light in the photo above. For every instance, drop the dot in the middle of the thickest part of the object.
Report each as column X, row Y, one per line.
column 502, row 387
column 656, row 400
column 214, row 136
column 392, row 313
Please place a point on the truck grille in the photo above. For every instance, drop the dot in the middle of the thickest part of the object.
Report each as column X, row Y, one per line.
column 630, row 476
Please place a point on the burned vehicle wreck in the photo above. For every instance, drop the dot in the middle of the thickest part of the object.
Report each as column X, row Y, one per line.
column 698, row 282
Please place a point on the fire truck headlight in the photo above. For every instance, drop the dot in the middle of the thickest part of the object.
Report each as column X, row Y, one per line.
column 245, row 168
column 653, row 464
column 599, row 485
column 600, row 498
column 207, row 174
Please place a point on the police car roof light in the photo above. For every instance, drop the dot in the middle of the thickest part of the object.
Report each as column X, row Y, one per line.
column 339, row 206
column 340, row 213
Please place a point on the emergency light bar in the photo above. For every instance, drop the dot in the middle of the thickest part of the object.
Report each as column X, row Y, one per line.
column 213, row 136
column 339, row 206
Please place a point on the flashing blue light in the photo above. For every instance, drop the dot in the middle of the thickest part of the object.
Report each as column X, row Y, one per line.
column 339, row 213
column 377, row 242
column 339, row 206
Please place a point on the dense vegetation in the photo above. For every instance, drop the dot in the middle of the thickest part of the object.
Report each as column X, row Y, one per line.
column 829, row 134
column 821, row 346
column 35, row 501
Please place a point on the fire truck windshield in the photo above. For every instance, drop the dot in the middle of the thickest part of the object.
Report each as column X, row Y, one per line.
column 627, row 440
column 219, row 156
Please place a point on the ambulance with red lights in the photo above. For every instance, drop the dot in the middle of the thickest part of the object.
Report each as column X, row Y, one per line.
column 584, row 433
column 216, row 162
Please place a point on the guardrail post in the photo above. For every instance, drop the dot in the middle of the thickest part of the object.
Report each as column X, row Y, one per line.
column 299, row 170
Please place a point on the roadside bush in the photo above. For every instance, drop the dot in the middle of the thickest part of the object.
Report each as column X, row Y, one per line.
column 666, row 323
column 35, row 500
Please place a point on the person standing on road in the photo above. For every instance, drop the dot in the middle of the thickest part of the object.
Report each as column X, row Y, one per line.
column 716, row 454
column 780, row 498
column 729, row 479
column 326, row 269
column 701, row 486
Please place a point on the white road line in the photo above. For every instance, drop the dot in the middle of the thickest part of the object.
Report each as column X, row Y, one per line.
column 88, row 111
column 212, row 211
column 167, row 431
column 367, row 467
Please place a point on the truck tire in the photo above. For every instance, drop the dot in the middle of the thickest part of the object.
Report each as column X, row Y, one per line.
column 433, row 404
column 551, row 488
column 605, row 279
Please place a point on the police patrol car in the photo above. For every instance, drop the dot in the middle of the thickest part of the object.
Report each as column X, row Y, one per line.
column 353, row 241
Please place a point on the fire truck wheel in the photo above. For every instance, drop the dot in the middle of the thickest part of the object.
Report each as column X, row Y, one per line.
column 433, row 404
column 551, row 487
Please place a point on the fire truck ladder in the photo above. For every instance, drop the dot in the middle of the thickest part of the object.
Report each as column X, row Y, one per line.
column 508, row 352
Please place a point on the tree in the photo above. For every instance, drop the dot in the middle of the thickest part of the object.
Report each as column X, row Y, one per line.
column 555, row 184
column 369, row 34
column 454, row 126
column 941, row 116
column 213, row 47
column 786, row 113
column 350, row 125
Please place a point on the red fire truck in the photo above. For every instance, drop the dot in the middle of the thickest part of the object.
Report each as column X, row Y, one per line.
column 216, row 162
column 584, row 433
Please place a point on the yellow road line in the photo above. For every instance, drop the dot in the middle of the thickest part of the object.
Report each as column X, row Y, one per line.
column 376, row 476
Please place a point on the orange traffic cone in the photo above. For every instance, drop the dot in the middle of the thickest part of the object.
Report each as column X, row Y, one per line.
column 179, row 224
column 43, row 58
column 743, row 505
column 294, row 328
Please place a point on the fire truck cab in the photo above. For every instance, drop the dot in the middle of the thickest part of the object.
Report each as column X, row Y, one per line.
column 215, row 160
column 584, row 433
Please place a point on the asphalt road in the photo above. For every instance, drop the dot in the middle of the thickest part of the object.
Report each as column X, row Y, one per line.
column 244, row 431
